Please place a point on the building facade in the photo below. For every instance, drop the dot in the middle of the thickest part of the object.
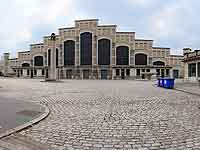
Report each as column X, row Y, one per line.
column 92, row 51
column 191, row 64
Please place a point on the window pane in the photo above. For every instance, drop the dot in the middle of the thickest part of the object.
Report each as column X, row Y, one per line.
column 86, row 48
column 38, row 61
column 104, row 52
column 69, row 52
column 122, row 55
column 140, row 59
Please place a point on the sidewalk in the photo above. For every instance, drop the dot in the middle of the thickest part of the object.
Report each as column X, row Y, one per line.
column 188, row 87
column 20, row 142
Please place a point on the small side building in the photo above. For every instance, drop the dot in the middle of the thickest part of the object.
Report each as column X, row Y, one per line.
column 191, row 64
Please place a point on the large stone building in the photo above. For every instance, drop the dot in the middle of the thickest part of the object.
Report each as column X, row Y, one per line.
column 191, row 64
column 92, row 51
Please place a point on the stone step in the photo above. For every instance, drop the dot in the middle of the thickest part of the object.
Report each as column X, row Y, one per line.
column 20, row 142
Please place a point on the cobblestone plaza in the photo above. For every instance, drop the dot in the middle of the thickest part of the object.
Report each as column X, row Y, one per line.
column 89, row 114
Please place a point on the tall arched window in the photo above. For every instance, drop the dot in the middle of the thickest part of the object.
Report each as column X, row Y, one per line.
column 140, row 59
column 49, row 57
column 104, row 52
column 69, row 52
column 159, row 63
column 122, row 55
column 86, row 48
column 38, row 61
column 25, row 65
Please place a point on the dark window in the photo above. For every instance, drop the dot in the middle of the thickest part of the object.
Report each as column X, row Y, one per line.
column 176, row 74
column 162, row 73
column 199, row 69
column 159, row 63
column 69, row 52
column 122, row 55
column 28, row 72
column 38, row 61
column 143, row 70
column 35, row 72
column 25, row 65
column 117, row 72
column 49, row 57
column 192, row 70
column 56, row 57
column 104, row 52
column 128, row 72
column 86, row 48
column 148, row 70
column 43, row 72
column 158, row 72
column 167, row 72
column 138, row 72
column 21, row 72
column 140, row 59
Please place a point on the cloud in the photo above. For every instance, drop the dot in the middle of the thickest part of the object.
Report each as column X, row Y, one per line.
column 23, row 16
column 141, row 3
column 177, row 24
column 170, row 23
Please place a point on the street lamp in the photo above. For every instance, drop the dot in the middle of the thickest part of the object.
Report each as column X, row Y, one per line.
column 52, row 67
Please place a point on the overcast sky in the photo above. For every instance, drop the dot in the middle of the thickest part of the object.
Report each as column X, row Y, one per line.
column 171, row 23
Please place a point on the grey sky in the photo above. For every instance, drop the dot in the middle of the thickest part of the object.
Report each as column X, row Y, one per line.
column 173, row 24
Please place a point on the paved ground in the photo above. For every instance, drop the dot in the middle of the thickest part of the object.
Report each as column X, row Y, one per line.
column 190, row 87
column 14, row 113
column 110, row 114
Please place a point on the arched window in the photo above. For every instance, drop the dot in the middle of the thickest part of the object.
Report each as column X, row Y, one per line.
column 49, row 57
column 86, row 48
column 69, row 52
column 104, row 52
column 159, row 63
column 38, row 61
column 140, row 59
column 25, row 65
column 122, row 55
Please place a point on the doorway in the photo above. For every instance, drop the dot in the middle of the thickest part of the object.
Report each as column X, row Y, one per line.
column 122, row 74
column 31, row 73
column 69, row 74
column 86, row 74
column 104, row 74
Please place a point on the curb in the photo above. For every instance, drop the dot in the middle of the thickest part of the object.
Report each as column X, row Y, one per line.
column 181, row 90
column 28, row 124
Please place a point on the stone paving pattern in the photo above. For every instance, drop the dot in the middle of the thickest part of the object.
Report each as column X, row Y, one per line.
column 108, row 115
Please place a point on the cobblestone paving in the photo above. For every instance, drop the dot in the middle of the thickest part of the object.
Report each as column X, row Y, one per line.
column 108, row 115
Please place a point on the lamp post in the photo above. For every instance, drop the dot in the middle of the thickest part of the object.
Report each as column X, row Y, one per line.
column 52, row 71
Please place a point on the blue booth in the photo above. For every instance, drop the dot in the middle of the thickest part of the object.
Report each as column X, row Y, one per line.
column 160, row 82
column 169, row 83
column 166, row 83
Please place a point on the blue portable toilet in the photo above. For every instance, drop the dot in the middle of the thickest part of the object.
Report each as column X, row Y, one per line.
column 161, row 82
column 168, row 83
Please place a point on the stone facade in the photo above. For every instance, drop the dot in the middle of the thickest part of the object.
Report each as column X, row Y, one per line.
column 92, row 51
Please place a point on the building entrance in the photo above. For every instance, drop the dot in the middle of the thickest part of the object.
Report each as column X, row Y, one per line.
column 86, row 74
column 69, row 74
column 31, row 73
column 175, row 74
column 104, row 74
column 122, row 74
